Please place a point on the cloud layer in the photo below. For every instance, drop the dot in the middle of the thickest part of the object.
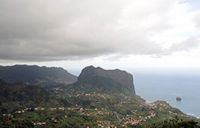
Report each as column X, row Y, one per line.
column 73, row 29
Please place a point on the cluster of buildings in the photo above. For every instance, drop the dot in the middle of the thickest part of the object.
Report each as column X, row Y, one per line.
column 134, row 121
column 105, row 124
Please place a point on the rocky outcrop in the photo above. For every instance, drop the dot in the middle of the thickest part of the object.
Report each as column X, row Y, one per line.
column 106, row 79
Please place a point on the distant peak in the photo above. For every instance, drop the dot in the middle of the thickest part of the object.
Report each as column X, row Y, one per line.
column 90, row 67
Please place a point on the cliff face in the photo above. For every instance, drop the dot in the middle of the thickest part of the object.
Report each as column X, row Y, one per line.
column 106, row 79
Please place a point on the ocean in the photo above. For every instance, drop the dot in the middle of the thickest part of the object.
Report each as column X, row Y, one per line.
column 168, row 86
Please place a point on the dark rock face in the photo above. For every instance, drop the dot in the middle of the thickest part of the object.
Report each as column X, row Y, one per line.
column 35, row 75
column 108, row 79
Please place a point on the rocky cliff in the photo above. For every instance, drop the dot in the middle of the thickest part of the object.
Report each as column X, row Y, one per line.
column 113, row 80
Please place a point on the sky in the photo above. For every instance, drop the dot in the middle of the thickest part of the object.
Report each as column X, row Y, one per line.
column 126, row 34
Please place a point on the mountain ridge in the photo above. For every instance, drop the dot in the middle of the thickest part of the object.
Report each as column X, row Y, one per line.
column 33, row 74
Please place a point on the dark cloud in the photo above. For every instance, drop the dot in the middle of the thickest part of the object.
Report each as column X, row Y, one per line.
column 73, row 29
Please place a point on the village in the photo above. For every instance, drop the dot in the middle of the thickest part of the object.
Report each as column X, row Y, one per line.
column 129, row 120
column 101, row 115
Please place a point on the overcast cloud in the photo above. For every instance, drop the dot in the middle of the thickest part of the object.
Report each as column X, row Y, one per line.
column 42, row 30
